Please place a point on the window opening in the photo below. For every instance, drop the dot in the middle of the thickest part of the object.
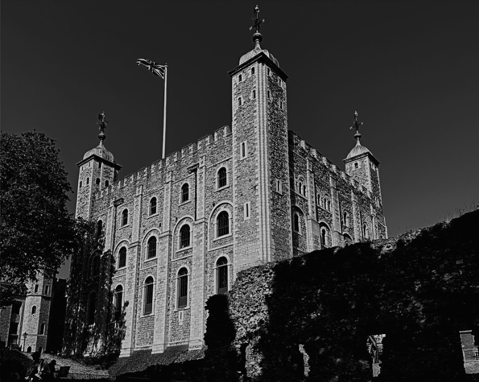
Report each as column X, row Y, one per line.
column 222, row 180
column 254, row 94
column 223, row 223
column 244, row 149
column 36, row 288
column 124, row 217
column 182, row 288
column 107, row 183
column 252, row 71
column 148, row 308
column 91, row 308
column 122, row 258
column 151, row 247
column 296, row 222
column 185, row 192
column 246, row 210
column 118, row 301
column 34, row 309
column 99, row 228
column 185, row 236
column 222, row 275
column 152, row 206
column 98, row 181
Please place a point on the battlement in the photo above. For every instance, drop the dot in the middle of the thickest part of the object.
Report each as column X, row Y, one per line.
column 187, row 154
column 311, row 153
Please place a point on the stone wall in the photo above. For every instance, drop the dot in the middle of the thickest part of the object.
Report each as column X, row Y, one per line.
column 419, row 290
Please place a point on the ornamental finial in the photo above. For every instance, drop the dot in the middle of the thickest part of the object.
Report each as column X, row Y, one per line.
column 102, row 122
column 356, row 125
column 257, row 37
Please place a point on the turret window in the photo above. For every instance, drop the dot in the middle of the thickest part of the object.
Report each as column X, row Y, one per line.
column 185, row 193
column 122, row 258
column 148, row 302
column 124, row 217
column 222, row 177
column 222, row 275
column 182, row 288
column 185, row 236
column 244, row 149
column 151, row 247
column 152, row 206
column 222, row 222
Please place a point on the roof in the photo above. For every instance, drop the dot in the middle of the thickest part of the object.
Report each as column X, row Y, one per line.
column 257, row 50
column 100, row 151
column 358, row 150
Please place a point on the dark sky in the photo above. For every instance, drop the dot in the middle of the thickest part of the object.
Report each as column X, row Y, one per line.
column 410, row 68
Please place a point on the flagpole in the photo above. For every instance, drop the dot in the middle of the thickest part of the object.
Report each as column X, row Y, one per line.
column 164, row 112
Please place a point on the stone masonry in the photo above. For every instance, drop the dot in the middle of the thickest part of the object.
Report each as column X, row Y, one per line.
column 246, row 195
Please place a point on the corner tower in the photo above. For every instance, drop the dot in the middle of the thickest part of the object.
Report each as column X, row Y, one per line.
column 362, row 165
column 262, row 216
column 98, row 170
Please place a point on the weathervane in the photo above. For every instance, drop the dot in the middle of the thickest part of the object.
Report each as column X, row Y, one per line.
column 356, row 125
column 102, row 122
column 256, row 25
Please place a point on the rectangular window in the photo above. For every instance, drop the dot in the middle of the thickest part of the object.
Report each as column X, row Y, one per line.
column 240, row 78
column 281, row 105
column 269, row 71
column 252, row 71
column 246, row 210
column 240, row 101
column 279, row 186
column 269, row 94
column 244, row 149
column 254, row 94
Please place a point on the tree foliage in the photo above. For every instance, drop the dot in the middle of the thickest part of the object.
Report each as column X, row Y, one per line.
column 36, row 230
column 99, row 341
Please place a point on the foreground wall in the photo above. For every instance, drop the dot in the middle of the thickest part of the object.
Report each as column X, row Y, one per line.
column 419, row 290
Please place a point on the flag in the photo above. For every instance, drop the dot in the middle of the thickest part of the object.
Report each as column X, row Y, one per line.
column 156, row 69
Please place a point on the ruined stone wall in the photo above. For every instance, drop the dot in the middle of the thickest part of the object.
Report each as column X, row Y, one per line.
column 420, row 290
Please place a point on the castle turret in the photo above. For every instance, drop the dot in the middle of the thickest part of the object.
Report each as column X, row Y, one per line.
column 260, row 156
column 98, row 170
column 362, row 165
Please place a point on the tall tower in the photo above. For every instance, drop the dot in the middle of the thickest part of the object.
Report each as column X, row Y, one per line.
column 97, row 170
column 362, row 165
column 262, row 218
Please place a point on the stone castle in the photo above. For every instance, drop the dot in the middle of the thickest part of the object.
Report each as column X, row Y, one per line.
column 34, row 322
column 182, row 228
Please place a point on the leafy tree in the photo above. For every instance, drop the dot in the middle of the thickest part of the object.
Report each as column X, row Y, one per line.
column 100, row 340
column 36, row 230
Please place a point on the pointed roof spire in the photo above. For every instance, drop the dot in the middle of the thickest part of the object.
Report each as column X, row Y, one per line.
column 257, row 36
column 356, row 125
column 102, row 122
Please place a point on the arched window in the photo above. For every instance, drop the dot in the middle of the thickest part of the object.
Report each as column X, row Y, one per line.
column 148, row 304
column 323, row 237
column 182, row 288
column 152, row 206
column 296, row 222
column 95, row 270
column 118, row 300
column 223, row 223
column 42, row 329
column 29, row 349
column 300, row 187
column 222, row 180
column 222, row 275
column 152, row 247
column 185, row 236
column 99, row 228
column 34, row 309
column 122, row 258
column 91, row 308
column 185, row 192
column 365, row 232
column 124, row 217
